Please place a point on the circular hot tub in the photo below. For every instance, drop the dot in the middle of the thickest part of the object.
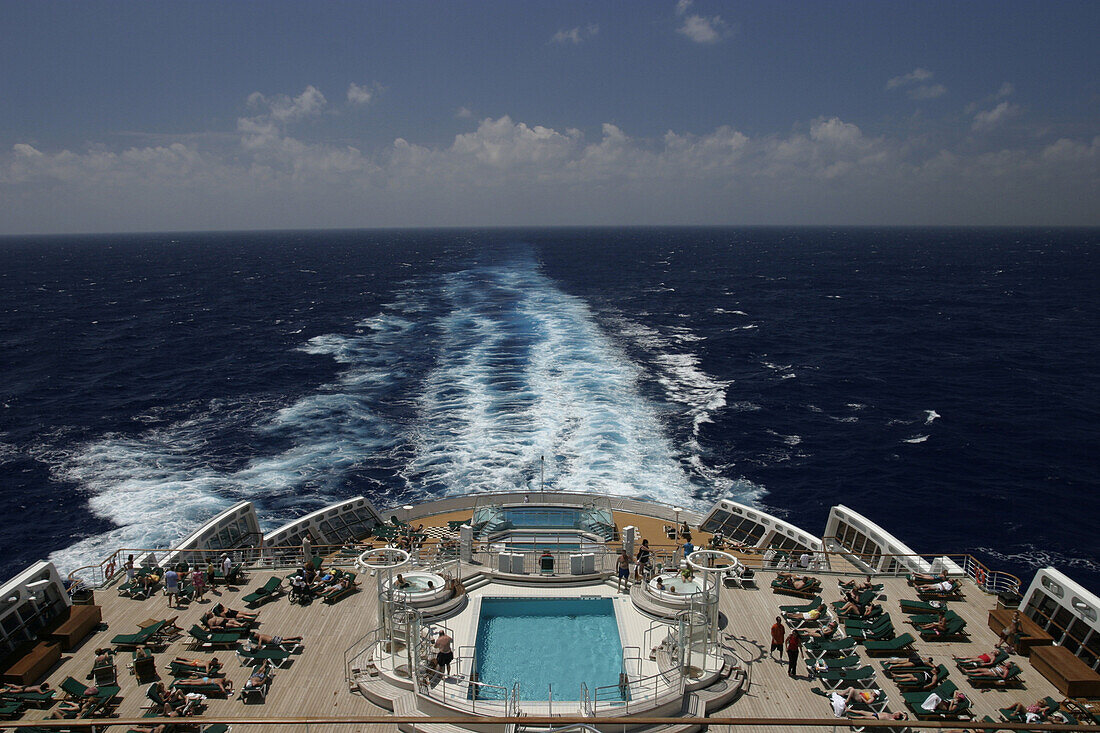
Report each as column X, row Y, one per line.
column 419, row 587
column 674, row 588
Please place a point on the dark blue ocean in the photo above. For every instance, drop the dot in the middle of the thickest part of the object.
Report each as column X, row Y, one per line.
column 941, row 381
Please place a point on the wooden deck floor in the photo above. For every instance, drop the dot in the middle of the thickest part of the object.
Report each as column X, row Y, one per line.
column 314, row 685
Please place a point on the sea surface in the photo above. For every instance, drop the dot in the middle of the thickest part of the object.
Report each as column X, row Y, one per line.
column 943, row 382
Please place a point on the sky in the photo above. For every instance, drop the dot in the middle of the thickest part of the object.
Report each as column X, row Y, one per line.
column 154, row 116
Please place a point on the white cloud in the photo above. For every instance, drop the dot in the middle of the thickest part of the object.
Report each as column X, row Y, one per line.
column 1006, row 90
column 576, row 35
column 682, row 6
column 987, row 119
column 913, row 77
column 519, row 172
column 703, row 30
column 915, row 85
column 282, row 108
column 463, row 113
column 359, row 94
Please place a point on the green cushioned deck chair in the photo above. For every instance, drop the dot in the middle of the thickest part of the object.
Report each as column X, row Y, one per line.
column 10, row 708
column 889, row 668
column 180, row 670
column 897, row 645
column 815, row 665
column 216, row 728
column 866, row 623
column 352, row 587
column 914, row 607
column 75, row 690
column 202, row 638
column 945, row 691
column 269, row 591
column 927, row 618
column 830, row 645
column 863, row 676
column 784, row 587
column 873, row 615
column 877, row 633
column 1012, row 679
column 144, row 666
column 876, row 704
column 277, row 657
column 455, row 524
column 956, row 629
column 864, row 598
column 146, row 636
column 802, row 607
column 940, row 677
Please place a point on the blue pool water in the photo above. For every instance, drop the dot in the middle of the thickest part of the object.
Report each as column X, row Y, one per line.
column 558, row 642
column 542, row 517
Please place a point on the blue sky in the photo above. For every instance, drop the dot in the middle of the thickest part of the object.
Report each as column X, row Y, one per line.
column 154, row 116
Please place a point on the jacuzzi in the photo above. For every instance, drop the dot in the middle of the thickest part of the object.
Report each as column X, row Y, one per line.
column 417, row 591
column 676, row 589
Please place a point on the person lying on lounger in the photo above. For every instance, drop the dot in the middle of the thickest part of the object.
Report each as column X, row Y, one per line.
column 937, row 627
column 944, row 586
column 843, row 699
column 928, row 578
column 265, row 640
column 1033, row 713
column 855, row 585
column 223, row 684
column 1000, row 672
column 220, row 610
column 982, row 660
column 922, row 680
column 199, row 665
column 812, row 615
column 217, row 622
column 825, row 631
column 74, row 708
column 872, row 715
column 856, row 610
column 259, row 677
column 335, row 589
column 915, row 660
column 9, row 687
column 798, row 582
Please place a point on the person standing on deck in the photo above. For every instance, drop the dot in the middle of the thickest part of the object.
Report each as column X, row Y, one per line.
column 777, row 638
column 623, row 569
column 794, row 644
column 444, row 654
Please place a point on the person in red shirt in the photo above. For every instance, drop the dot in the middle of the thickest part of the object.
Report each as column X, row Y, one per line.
column 778, row 633
column 794, row 644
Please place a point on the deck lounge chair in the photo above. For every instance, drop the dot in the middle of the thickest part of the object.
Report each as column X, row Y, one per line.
column 1011, row 716
column 276, row 656
column 251, row 693
column 352, row 587
column 865, row 597
column 269, row 591
column 546, row 565
column 915, row 607
column 210, row 689
column 147, row 636
column 956, row 629
column 881, row 631
column 859, row 623
column 824, row 647
column 143, row 667
column 76, row 689
column 852, row 660
column 105, row 674
column 802, row 607
column 809, row 590
column 877, row 704
column 10, row 708
column 203, row 638
column 897, row 645
column 863, row 676
column 954, row 593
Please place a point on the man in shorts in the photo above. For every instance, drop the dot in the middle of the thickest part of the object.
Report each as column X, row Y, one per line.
column 444, row 654
column 778, row 634
column 623, row 568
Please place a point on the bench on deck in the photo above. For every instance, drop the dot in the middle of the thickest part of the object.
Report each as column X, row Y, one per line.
column 74, row 625
column 33, row 663
column 1070, row 675
column 1032, row 633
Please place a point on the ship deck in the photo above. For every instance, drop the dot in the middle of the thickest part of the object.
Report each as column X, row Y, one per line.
column 315, row 685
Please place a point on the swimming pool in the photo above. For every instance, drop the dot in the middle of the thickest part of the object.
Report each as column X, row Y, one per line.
column 548, row 643
column 542, row 517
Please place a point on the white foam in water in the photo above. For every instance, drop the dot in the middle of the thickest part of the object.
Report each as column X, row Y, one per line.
column 917, row 439
column 519, row 370
column 929, row 416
